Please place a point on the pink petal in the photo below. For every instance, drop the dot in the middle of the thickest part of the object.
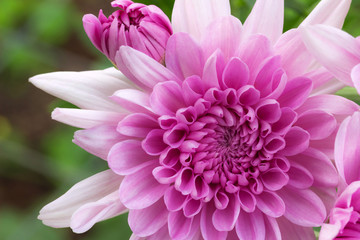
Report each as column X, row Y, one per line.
column 213, row 69
column 265, row 75
column 297, row 141
column 140, row 189
column 266, row 18
column 272, row 228
column 317, row 123
column 303, row 207
column 147, row 221
column 355, row 76
column 82, row 118
column 133, row 100
column 293, row 231
column 223, row 34
column 347, row 148
column 98, row 140
column 192, row 208
column 137, row 125
column 179, row 225
column 328, row 12
column 270, row 204
column 206, row 224
column 248, row 95
column 165, row 175
column 329, row 231
column 185, row 181
column 128, row 157
column 59, row 212
column 253, row 52
column 247, row 201
column 268, row 110
column 142, row 69
column 236, row 74
column 163, row 233
column 251, row 226
column 194, row 16
column 334, row 49
column 174, row 199
column 93, row 29
column 87, row 90
column 192, row 89
column 296, row 92
column 225, row 219
column 184, row 57
column 288, row 117
column 300, row 177
column 167, row 98
column 274, row 179
column 153, row 143
column 89, row 214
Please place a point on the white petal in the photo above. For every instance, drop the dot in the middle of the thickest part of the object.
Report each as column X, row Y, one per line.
column 88, row 90
column 193, row 16
column 58, row 213
column 267, row 18
column 329, row 12
column 82, row 118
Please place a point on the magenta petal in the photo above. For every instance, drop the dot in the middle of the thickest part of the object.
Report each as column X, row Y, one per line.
column 206, row 224
column 269, row 110
column 179, row 225
column 251, row 226
column 236, row 74
column 165, row 175
column 300, row 177
column 296, row 92
column 185, row 182
column 184, row 56
column 224, row 220
column 140, row 189
column 176, row 136
column 303, row 207
column 192, row 208
column 128, row 157
column 293, row 231
column 98, row 140
column 272, row 228
column 288, row 117
column 274, row 179
column 248, row 95
column 271, row 204
column 147, row 221
column 247, row 201
column 297, row 141
column 137, row 125
column 265, row 75
column 317, row 123
column 166, row 98
column 153, row 144
column 192, row 89
column 93, row 29
column 174, row 199
column 347, row 148
column 213, row 69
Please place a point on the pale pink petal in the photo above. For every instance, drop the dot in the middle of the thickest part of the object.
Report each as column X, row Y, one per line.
column 133, row 100
column 87, row 90
column 140, row 189
column 355, row 76
column 329, row 231
column 223, row 34
column 82, row 118
column 293, row 231
column 334, row 49
column 128, row 157
column 194, row 16
column 58, row 213
column 89, row 214
column 317, row 123
column 296, row 201
column 98, row 140
column 167, row 98
column 328, row 12
column 267, row 18
column 213, row 69
column 137, row 125
column 147, row 221
column 184, row 57
column 163, row 234
column 208, row 230
column 251, row 226
column 347, row 150
column 142, row 69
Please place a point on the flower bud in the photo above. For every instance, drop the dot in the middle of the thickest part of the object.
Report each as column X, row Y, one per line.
column 144, row 28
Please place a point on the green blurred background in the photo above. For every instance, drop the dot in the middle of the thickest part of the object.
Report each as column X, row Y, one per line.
column 38, row 161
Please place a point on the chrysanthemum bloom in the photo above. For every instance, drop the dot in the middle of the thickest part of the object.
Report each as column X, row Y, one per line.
column 145, row 28
column 344, row 219
column 223, row 142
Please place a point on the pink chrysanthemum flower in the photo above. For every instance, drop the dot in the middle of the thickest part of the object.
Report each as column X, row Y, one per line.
column 145, row 28
column 223, row 141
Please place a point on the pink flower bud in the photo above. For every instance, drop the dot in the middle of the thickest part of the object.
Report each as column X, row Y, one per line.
column 145, row 28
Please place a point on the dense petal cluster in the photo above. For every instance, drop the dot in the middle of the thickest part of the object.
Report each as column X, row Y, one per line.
column 145, row 28
column 230, row 137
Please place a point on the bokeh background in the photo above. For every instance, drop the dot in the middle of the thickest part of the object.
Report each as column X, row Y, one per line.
column 38, row 161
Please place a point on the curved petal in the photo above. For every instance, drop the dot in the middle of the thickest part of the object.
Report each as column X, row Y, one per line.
column 137, row 125
column 83, row 118
column 355, row 76
column 140, row 189
column 296, row 92
column 336, row 50
column 208, row 230
column 98, row 140
column 293, row 231
column 87, row 90
column 133, row 100
column 328, row 12
column 194, row 16
column 89, row 214
column 266, row 17
column 58, row 213
column 225, row 219
column 251, row 226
